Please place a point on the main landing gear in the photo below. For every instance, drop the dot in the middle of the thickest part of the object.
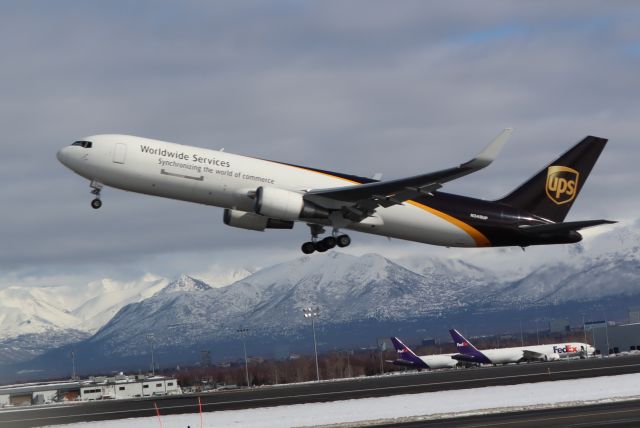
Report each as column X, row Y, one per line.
column 322, row 245
column 96, row 187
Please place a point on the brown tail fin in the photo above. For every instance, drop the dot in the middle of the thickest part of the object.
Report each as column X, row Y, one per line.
column 551, row 192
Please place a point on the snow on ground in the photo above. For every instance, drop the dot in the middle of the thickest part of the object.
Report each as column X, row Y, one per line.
column 406, row 407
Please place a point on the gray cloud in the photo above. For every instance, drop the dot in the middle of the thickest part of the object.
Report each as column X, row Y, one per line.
column 362, row 87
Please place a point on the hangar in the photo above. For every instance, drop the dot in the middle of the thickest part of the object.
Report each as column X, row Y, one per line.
column 615, row 338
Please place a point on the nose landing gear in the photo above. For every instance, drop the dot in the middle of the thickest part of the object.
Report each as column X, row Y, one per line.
column 325, row 244
column 96, row 188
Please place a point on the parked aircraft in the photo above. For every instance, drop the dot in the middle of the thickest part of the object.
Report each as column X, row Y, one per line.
column 259, row 194
column 470, row 354
column 408, row 358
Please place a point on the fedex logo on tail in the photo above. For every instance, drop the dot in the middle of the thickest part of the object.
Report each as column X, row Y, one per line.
column 462, row 344
column 566, row 349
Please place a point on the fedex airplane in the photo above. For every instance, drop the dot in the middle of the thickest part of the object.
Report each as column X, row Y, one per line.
column 469, row 354
column 259, row 194
column 408, row 358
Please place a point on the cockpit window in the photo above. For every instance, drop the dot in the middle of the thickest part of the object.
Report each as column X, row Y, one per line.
column 85, row 144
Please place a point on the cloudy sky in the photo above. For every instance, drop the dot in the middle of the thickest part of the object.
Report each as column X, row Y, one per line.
column 361, row 86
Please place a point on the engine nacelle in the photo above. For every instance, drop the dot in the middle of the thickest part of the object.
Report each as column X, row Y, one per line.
column 286, row 205
column 251, row 221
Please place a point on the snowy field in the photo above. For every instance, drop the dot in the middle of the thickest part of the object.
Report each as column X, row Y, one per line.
column 403, row 408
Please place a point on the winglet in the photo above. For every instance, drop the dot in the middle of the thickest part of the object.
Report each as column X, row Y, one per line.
column 490, row 153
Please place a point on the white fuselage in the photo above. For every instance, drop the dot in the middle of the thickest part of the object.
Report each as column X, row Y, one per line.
column 226, row 180
column 547, row 352
column 439, row 361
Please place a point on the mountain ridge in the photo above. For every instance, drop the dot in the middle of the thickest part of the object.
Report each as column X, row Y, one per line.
column 348, row 289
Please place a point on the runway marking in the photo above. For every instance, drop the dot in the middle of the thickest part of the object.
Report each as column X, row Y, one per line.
column 315, row 394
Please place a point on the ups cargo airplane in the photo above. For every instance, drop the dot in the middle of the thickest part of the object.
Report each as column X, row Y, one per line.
column 258, row 194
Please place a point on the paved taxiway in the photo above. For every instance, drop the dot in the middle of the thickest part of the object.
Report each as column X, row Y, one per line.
column 620, row 414
column 323, row 391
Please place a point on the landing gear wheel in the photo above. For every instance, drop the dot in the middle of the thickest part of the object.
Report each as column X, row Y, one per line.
column 96, row 187
column 321, row 246
column 343, row 241
column 308, row 247
column 329, row 242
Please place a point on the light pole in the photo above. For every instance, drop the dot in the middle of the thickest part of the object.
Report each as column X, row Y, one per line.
column 606, row 332
column 243, row 333
column 382, row 346
column 73, row 365
column 313, row 313
column 150, row 338
column 346, row 354
column 521, row 335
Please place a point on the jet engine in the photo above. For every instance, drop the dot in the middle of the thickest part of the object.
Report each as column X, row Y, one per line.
column 285, row 204
column 251, row 221
column 551, row 357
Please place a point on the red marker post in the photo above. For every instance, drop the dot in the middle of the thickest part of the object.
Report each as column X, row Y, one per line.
column 158, row 413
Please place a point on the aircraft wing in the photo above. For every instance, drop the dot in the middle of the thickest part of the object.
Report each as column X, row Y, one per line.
column 360, row 201
column 532, row 355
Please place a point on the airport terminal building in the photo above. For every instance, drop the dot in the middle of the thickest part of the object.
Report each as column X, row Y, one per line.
column 95, row 388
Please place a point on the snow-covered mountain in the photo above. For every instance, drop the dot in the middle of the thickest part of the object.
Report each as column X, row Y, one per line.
column 109, row 296
column 581, row 279
column 46, row 309
column 217, row 276
column 33, row 320
column 185, row 284
column 30, row 311
column 348, row 289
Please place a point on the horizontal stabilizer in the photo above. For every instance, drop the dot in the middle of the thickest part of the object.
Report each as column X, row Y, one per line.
column 563, row 227
column 401, row 363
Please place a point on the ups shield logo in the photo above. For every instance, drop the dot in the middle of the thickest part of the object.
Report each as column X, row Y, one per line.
column 562, row 184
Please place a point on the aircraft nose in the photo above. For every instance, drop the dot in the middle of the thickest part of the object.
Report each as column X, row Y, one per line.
column 62, row 155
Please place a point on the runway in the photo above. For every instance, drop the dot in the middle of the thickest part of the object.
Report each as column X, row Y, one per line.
column 323, row 391
column 621, row 414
